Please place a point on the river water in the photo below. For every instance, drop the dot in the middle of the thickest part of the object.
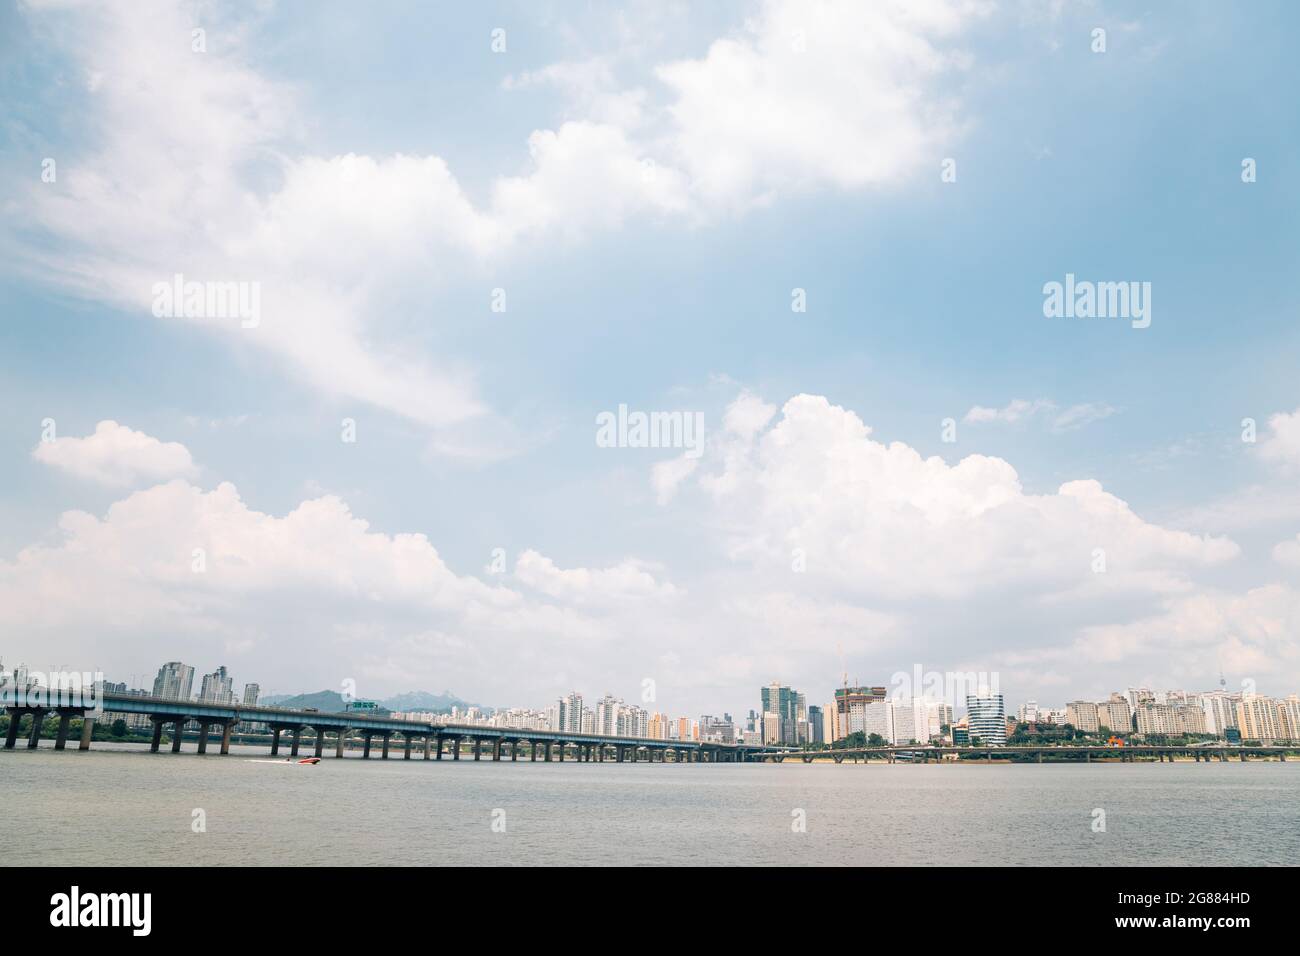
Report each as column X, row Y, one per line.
column 118, row 804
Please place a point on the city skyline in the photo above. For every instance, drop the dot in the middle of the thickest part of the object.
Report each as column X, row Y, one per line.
column 965, row 710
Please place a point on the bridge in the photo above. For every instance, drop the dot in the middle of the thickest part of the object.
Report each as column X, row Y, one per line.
column 434, row 738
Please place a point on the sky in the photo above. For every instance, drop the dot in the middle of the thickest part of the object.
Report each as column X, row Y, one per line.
column 824, row 229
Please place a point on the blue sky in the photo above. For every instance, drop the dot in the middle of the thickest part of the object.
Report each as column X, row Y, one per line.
column 664, row 291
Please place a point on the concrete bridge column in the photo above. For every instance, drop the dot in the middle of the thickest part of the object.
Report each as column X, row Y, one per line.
column 11, row 735
column 157, row 735
column 532, row 747
column 514, row 750
column 34, row 738
column 387, row 735
column 275, row 741
column 365, row 751
column 203, row 737
column 428, row 740
column 406, row 755
column 478, row 748
column 297, row 740
column 338, row 743
column 320, row 741
column 87, row 729
column 455, row 748
column 61, row 741
column 176, row 739
column 547, row 744
column 496, row 749
column 560, row 748
column 226, row 728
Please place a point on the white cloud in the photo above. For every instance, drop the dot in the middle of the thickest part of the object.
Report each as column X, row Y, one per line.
column 885, row 522
column 1288, row 552
column 1282, row 445
column 117, row 456
column 339, row 244
column 838, row 94
column 1019, row 411
column 629, row 580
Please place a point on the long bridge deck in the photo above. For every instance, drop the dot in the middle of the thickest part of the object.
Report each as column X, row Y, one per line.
column 512, row 740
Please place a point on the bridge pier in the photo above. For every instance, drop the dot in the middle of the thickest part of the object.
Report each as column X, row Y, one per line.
column 11, row 735
column 427, row 741
column 34, row 737
column 514, row 750
column 297, row 740
column 440, row 742
column 320, row 741
column 203, row 737
column 275, row 741
column 87, row 729
column 365, row 750
column 387, row 735
column 338, row 744
column 226, row 728
column 560, row 748
column 547, row 751
column 532, row 750
column 157, row 736
column 406, row 746
column 176, row 739
column 455, row 748
column 478, row 748
column 496, row 749
column 65, row 720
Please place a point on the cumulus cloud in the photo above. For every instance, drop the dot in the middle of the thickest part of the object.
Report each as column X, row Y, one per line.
column 887, row 522
column 630, row 580
column 117, row 456
column 1288, row 552
column 1282, row 444
column 806, row 95
column 813, row 543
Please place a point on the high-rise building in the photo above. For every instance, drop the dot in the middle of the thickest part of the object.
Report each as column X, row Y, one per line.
column 1116, row 714
column 1288, row 718
column 569, row 711
column 1257, row 718
column 217, row 687
column 251, row 693
column 1083, row 715
column 175, row 681
column 816, row 725
column 849, row 709
column 987, row 718
column 607, row 709
column 782, row 701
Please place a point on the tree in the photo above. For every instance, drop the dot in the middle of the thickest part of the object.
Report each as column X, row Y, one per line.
column 875, row 740
column 119, row 727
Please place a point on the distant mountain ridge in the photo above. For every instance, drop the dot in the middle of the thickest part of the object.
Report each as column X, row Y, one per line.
column 331, row 701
